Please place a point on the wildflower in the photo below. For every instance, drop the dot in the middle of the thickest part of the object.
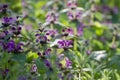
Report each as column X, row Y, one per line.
column 3, row 8
column 68, row 63
column 59, row 64
column 67, row 32
column 11, row 46
column 47, row 52
column 41, row 38
column 65, row 44
column 6, row 21
column 51, row 33
column 88, row 52
column 16, row 30
column 48, row 64
column 73, row 11
column 2, row 35
column 34, row 68
column 51, row 17
column 6, row 71
column 80, row 29
column 105, row 9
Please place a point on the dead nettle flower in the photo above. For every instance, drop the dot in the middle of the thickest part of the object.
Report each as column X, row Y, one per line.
column 3, row 8
column 48, row 64
column 45, row 53
column 107, row 10
column 52, row 33
column 6, row 21
column 41, row 38
column 73, row 11
column 5, row 72
column 72, row 3
column 68, row 63
column 65, row 44
column 88, row 52
column 51, row 17
column 11, row 46
column 80, row 29
column 67, row 32
column 16, row 30
column 3, row 34
column 59, row 64
column 34, row 68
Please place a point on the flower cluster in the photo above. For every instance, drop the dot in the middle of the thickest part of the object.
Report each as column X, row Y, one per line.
column 34, row 68
column 45, row 53
column 6, row 21
column 42, row 39
column 3, row 8
column 52, row 33
column 74, row 12
column 67, row 32
column 51, row 17
column 11, row 46
column 65, row 44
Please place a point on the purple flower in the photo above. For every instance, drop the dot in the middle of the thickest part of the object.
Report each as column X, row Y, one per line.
column 65, row 44
column 105, row 9
column 68, row 63
column 67, row 32
column 34, row 68
column 5, row 35
column 6, row 71
column 78, row 14
column 80, row 29
column 47, row 63
column 51, row 17
column 59, row 65
column 74, row 12
column 16, row 30
column 41, row 38
column 47, row 52
column 3, row 8
column 70, row 15
column 2, row 35
column 51, row 33
column 11, row 46
column 6, row 21
column 88, row 52
column 72, row 3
